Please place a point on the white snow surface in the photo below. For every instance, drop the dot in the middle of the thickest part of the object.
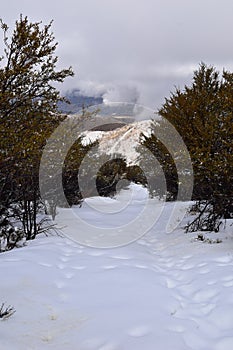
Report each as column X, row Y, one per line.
column 91, row 136
column 164, row 291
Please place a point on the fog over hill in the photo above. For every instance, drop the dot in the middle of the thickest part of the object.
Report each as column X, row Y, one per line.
column 78, row 101
column 123, row 111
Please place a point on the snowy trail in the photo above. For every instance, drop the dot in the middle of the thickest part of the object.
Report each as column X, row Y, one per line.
column 161, row 292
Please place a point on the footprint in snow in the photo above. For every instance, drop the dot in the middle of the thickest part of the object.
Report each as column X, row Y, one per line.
column 69, row 275
column 144, row 243
column 204, row 271
column 228, row 284
column 171, row 283
column 95, row 253
column 109, row 267
column 227, row 278
column 93, row 344
column 61, row 266
column 60, row 284
column 223, row 259
column 45, row 264
column 205, row 295
column 207, row 309
column 187, row 257
column 169, row 264
column 141, row 266
column 188, row 267
column 68, row 255
column 67, row 251
column 121, row 257
column 211, row 282
column 139, row 331
column 79, row 267
column 64, row 258
column 202, row 264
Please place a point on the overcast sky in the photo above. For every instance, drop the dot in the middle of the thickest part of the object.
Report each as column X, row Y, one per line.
column 133, row 49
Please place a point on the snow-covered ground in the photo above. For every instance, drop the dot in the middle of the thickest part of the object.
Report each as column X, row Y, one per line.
column 164, row 291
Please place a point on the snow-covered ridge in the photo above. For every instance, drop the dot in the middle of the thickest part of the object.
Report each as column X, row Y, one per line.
column 123, row 140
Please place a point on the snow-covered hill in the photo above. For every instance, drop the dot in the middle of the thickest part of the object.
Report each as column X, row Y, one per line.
column 123, row 140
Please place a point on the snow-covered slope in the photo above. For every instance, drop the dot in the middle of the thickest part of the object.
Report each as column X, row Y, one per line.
column 122, row 141
column 164, row 291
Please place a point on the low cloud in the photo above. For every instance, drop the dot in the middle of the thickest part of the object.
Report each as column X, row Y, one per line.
column 121, row 93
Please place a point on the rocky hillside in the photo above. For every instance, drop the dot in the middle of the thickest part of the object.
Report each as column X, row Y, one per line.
column 121, row 140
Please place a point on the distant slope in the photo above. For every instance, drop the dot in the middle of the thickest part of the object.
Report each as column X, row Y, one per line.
column 77, row 102
column 123, row 140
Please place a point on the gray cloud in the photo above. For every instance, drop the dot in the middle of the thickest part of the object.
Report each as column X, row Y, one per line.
column 122, row 93
column 134, row 49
